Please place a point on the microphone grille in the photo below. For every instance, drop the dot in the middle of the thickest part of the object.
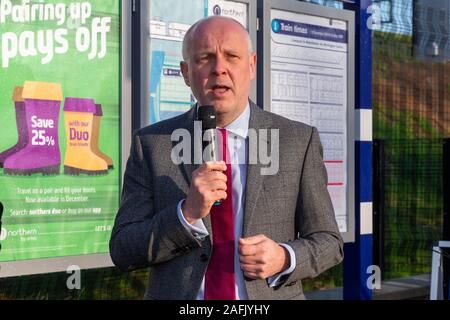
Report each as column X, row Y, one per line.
column 207, row 115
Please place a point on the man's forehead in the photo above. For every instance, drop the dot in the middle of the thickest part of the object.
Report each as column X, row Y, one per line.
column 227, row 39
column 221, row 23
column 220, row 28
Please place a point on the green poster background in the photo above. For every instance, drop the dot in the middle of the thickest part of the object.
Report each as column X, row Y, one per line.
column 83, row 225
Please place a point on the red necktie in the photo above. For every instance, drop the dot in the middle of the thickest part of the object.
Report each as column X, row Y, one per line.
column 219, row 277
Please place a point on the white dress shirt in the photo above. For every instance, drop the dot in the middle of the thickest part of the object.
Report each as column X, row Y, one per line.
column 237, row 146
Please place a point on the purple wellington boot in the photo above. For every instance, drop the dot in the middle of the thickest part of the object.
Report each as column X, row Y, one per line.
column 21, row 124
column 41, row 154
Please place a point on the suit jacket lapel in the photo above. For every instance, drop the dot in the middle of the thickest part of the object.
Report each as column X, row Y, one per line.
column 191, row 166
column 188, row 168
column 254, row 177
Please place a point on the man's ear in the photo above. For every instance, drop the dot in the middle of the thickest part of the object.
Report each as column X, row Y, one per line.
column 185, row 71
column 252, row 66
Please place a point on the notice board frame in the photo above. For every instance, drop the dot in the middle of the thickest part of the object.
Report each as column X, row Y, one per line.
column 264, row 79
column 99, row 260
column 143, row 78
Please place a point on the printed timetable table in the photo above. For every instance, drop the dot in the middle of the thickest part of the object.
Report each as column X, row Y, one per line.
column 309, row 84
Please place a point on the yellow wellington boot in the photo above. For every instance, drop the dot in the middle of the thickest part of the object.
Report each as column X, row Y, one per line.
column 95, row 136
column 79, row 122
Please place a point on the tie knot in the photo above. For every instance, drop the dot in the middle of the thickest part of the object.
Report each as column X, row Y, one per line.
column 223, row 131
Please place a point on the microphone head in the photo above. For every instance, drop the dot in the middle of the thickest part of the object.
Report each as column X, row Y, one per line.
column 207, row 115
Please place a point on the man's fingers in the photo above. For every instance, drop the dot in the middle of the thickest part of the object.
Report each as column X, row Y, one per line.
column 219, row 195
column 217, row 185
column 252, row 240
column 250, row 259
column 250, row 268
column 251, row 275
column 216, row 175
column 247, row 250
column 213, row 166
column 253, row 271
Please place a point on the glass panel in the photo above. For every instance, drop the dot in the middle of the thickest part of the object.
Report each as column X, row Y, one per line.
column 411, row 100
column 169, row 95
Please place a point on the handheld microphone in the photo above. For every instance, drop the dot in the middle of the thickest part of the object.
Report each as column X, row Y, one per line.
column 207, row 115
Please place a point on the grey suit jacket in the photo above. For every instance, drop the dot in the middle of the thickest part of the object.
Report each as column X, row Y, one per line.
column 292, row 207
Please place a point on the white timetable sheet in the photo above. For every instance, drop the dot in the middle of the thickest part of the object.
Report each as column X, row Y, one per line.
column 309, row 57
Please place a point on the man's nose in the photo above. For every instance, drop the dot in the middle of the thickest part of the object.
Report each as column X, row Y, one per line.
column 220, row 66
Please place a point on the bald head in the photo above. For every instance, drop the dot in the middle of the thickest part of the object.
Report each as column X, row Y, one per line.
column 219, row 66
column 213, row 22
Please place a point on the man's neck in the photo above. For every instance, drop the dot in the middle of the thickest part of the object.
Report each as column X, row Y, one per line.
column 224, row 120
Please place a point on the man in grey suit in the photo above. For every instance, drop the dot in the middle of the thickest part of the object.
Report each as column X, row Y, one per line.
column 283, row 227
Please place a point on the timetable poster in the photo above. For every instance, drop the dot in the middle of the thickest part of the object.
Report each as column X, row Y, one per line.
column 309, row 57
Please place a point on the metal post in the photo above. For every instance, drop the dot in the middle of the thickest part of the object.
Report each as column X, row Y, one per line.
column 446, row 220
column 136, row 64
column 358, row 255
column 437, row 270
column 378, row 203
column 436, row 275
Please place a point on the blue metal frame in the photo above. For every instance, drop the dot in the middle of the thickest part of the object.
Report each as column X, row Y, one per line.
column 136, row 64
column 358, row 255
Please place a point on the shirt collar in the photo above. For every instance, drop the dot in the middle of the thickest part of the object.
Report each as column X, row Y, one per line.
column 240, row 125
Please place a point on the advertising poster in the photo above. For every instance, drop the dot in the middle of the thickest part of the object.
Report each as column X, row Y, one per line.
column 309, row 77
column 60, row 127
column 169, row 21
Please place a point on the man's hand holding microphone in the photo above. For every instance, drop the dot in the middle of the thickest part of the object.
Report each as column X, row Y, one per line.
column 208, row 185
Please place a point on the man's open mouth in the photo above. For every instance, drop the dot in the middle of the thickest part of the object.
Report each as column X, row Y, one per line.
column 219, row 89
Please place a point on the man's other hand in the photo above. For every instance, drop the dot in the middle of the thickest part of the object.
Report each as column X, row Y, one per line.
column 261, row 257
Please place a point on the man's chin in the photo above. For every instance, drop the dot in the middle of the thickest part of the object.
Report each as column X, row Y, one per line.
column 222, row 108
column 218, row 104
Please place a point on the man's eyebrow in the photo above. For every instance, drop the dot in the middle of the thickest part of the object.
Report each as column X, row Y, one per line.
column 232, row 51
column 204, row 52
column 207, row 52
